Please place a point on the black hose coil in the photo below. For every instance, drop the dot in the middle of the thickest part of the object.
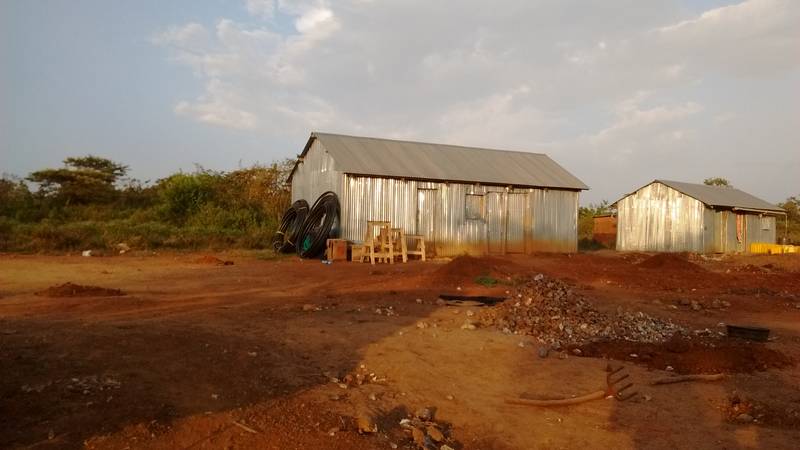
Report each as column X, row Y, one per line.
column 321, row 224
column 284, row 239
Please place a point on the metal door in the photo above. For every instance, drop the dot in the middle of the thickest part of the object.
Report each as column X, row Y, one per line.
column 515, row 223
column 426, row 217
column 720, row 231
column 741, row 233
column 495, row 223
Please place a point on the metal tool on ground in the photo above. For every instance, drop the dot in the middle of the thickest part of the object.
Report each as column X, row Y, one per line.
column 471, row 300
column 612, row 389
column 750, row 333
column 612, row 384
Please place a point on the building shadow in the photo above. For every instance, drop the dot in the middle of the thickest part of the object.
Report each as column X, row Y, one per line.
column 65, row 379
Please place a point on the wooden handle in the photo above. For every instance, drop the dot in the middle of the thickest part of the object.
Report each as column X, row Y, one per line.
column 559, row 402
column 683, row 378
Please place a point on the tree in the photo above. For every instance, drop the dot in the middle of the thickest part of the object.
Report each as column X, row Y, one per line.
column 14, row 196
column 86, row 179
column 717, row 181
column 586, row 216
column 792, row 207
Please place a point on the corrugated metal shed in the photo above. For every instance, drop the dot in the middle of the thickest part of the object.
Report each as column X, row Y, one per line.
column 440, row 162
column 726, row 197
column 458, row 198
column 670, row 216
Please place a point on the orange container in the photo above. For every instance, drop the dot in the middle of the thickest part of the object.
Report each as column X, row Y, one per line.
column 337, row 250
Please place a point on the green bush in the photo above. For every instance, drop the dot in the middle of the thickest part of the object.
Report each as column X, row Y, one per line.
column 486, row 280
column 204, row 209
column 181, row 195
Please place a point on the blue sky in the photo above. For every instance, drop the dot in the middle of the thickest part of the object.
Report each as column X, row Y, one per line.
column 84, row 77
column 620, row 92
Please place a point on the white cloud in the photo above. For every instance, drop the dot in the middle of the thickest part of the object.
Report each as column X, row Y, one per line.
column 261, row 8
column 191, row 36
column 635, row 122
column 752, row 37
column 652, row 81
column 506, row 114
column 313, row 19
column 217, row 107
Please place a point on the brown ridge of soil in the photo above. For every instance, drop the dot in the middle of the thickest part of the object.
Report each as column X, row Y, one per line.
column 283, row 424
column 687, row 356
column 208, row 259
column 69, row 289
column 670, row 261
column 467, row 267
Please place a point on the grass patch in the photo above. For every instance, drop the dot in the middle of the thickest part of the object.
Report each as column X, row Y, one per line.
column 486, row 280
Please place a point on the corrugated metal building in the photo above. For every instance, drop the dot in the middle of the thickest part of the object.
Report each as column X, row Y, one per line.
column 671, row 216
column 605, row 229
column 462, row 199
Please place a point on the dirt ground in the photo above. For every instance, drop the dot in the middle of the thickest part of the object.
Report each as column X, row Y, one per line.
column 289, row 353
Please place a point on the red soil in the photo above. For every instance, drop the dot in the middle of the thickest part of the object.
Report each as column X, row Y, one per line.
column 76, row 290
column 693, row 356
column 669, row 261
column 467, row 267
column 208, row 259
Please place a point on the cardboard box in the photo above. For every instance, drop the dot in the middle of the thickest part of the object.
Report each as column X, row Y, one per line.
column 337, row 250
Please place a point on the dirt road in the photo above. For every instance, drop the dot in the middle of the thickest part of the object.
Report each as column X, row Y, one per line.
column 288, row 353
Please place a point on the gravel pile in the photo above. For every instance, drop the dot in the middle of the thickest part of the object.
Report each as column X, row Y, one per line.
column 555, row 314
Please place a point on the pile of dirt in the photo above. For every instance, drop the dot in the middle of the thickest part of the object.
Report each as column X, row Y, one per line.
column 467, row 267
column 208, row 259
column 670, row 261
column 776, row 414
column 76, row 290
column 553, row 312
column 425, row 432
column 688, row 356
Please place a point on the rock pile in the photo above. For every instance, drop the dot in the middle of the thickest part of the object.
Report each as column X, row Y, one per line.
column 92, row 383
column 358, row 377
column 555, row 314
column 426, row 433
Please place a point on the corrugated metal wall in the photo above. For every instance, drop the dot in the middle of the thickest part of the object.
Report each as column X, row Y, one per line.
column 512, row 220
column 315, row 175
column 516, row 221
column 365, row 198
column 369, row 198
column 759, row 229
column 711, row 236
column 658, row 218
column 554, row 221
column 726, row 238
column 728, row 229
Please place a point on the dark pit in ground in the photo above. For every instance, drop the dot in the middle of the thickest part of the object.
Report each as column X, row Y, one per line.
column 687, row 356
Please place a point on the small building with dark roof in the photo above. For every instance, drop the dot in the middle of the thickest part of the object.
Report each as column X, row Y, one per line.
column 672, row 216
column 462, row 199
column 604, row 229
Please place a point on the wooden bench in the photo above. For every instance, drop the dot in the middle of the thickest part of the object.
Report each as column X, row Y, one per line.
column 372, row 248
column 418, row 249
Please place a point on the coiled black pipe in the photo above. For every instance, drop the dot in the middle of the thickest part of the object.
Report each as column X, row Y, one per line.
column 284, row 239
column 321, row 224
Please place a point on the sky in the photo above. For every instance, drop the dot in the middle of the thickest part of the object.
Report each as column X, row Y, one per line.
column 619, row 92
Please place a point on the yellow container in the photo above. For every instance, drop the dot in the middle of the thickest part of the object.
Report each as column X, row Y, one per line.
column 773, row 249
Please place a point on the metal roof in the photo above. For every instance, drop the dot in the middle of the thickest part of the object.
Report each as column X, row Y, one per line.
column 721, row 196
column 424, row 161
